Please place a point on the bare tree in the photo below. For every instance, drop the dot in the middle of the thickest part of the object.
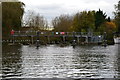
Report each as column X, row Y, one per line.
column 34, row 20
column 28, row 18
column 62, row 23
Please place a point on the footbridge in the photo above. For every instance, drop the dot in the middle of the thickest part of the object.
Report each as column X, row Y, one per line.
column 19, row 36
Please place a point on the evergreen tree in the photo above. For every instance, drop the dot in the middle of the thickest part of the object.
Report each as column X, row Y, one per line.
column 99, row 18
column 108, row 19
column 117, row 16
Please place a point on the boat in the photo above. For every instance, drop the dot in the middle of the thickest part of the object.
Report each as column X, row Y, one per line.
column 117, row 40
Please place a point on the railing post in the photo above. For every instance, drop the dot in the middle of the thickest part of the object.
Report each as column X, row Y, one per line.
column 86, row 40
column 13, row 39
column 64, row 39
column 73, row 35
column 105, row 39
column 48, row 39
column 32, row 39
column 38, row 40
column 12, row 33
column 78, row 39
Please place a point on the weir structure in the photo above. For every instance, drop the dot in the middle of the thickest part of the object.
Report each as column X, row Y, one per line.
column 34, row 36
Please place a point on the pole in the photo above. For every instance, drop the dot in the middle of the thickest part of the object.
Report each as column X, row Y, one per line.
column 78, row 40
column 32, row 39
column 105, row 39
column 86, row 39
column 12, row 33
column 64, row 39
column 13, row 39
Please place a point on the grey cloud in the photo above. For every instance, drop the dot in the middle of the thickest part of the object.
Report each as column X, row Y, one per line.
column 49, row 7
column 52, row 10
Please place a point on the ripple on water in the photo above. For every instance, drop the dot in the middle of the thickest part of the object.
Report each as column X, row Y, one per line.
column 54, row 61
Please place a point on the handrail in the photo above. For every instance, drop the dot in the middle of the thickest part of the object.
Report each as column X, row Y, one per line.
column 52, row 33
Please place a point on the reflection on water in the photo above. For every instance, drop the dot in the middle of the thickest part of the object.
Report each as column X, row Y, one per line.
column 61, row 62
column 11, row 61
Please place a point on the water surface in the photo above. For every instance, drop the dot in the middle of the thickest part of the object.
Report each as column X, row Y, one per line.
column 61, row 62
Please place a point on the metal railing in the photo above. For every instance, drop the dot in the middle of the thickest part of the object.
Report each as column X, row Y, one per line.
column 34, row 33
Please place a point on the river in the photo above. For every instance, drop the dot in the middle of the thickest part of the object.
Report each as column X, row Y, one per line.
column 24, row 61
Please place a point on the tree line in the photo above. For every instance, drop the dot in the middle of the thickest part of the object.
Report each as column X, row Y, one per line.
column 117, row 16
column 85, row 21
column 96, row 21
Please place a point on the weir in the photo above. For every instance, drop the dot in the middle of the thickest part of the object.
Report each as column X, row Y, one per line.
column 34, row 36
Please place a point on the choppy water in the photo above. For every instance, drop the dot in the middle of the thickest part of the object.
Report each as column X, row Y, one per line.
column 61, row 62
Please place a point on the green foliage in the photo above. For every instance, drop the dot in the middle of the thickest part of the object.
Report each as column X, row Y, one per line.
column 62, row 23
column 108, row 19
column 76, row 22
column 100, row 18
column 84, row 21
column 12, row 13
column 117, row 16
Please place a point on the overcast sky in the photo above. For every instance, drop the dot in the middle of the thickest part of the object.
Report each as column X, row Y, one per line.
column 52, row 8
